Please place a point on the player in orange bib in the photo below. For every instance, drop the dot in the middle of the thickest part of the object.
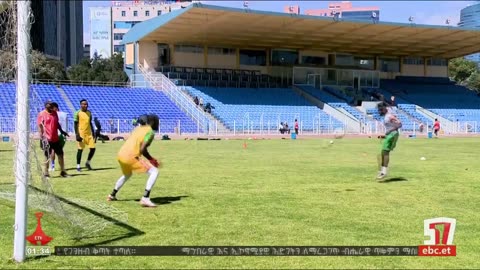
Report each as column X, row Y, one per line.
column 130, row 160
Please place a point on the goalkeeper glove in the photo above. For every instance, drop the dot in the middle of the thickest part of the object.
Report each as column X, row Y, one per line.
column 65, row 134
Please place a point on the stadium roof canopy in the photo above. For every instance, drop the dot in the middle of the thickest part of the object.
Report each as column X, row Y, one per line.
column 200, row 24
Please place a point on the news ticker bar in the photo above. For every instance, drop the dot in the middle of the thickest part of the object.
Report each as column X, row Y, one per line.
column 254, row 251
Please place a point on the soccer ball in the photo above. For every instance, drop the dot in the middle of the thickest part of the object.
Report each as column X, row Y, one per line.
column 331, row 142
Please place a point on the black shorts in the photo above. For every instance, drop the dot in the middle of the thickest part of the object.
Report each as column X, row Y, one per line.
column 56, row 147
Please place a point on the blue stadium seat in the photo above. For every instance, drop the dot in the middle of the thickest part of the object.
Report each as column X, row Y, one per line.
column 439, row 95
column 39, row 93
column 123, row 104
column 257, row 108
column 333, row 101
column 115, row 107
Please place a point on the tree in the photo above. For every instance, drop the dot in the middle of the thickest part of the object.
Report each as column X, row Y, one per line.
column 44, row 68
column 99, row 70
column 461, row 69
column 473, row 82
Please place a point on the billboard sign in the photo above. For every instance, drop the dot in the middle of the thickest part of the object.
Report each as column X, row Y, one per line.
column 100, row 32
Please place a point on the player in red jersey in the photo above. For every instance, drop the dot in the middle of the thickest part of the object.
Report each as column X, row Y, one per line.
column 48, row 128
column 436, row 127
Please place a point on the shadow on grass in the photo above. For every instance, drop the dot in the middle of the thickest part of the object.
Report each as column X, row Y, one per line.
column 103, row 169
column 69, row 176
column 5, row 150
column 92, row 170
column 164, row 200
column 394, row 179
column 131, row 231
column 33, row 258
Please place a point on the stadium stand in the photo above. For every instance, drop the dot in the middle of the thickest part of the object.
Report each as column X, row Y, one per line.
column 39, row 94
column 127, row 103
column 440, row 96
column 338, row 93
column 263, row 108
column 8, row 97
column 411, row 120
column 217, row 77
column 333, row 101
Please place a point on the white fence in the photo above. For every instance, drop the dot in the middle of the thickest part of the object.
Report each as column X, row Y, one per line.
column 111, row 126
column 247, row 125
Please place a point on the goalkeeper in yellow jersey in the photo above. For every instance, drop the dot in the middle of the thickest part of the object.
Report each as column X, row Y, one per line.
column 130, row 159
column 84, row 133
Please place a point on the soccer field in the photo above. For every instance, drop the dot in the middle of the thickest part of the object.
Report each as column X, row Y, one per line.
column 274, row 192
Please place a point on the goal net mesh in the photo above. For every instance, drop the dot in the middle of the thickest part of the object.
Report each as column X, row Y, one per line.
column 77, row 217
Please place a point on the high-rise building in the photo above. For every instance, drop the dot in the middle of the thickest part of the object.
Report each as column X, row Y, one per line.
column 470, row 17
column 342, row 9
column 109, row 25
column 57, row 29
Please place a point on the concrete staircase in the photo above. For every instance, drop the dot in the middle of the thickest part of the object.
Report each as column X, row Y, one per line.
column 216, row 125
column 352, row 125
column 448, row 126
column 67, row 100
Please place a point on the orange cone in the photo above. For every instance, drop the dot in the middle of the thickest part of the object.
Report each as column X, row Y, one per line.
column 244, row 145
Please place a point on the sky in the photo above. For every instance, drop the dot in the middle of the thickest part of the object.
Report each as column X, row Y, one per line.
column 424, row 12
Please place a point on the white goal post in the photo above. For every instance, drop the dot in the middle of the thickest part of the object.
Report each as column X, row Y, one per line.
column 22, row 129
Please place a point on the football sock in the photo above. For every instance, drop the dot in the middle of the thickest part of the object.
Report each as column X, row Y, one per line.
column 384, row 170
column 152, row 178
column 79, row 157
column 120, row 183
column 90, row 155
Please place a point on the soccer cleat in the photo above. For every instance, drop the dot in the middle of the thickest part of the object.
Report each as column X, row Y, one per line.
column 64, row 174
column 88, row 166
column 46, row 176
column 381, row 176
column 145, row 202
column 51, row 169
column 111, row 198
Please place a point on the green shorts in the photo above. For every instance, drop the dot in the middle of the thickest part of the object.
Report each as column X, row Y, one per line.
column 62, row 140
column 390, row 141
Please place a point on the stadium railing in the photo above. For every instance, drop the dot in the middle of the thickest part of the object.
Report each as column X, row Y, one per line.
column 120, row 127
column 112, row 126
column 81, row 83
column 220, row 77
column 158, row 81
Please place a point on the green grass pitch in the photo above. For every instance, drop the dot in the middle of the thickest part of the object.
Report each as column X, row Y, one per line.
column 274, row 192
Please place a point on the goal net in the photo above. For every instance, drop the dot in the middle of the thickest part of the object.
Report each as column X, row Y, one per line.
column 78, row 218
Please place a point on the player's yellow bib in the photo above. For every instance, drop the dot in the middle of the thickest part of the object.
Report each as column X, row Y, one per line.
column 132, row 146
column 84, row 119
